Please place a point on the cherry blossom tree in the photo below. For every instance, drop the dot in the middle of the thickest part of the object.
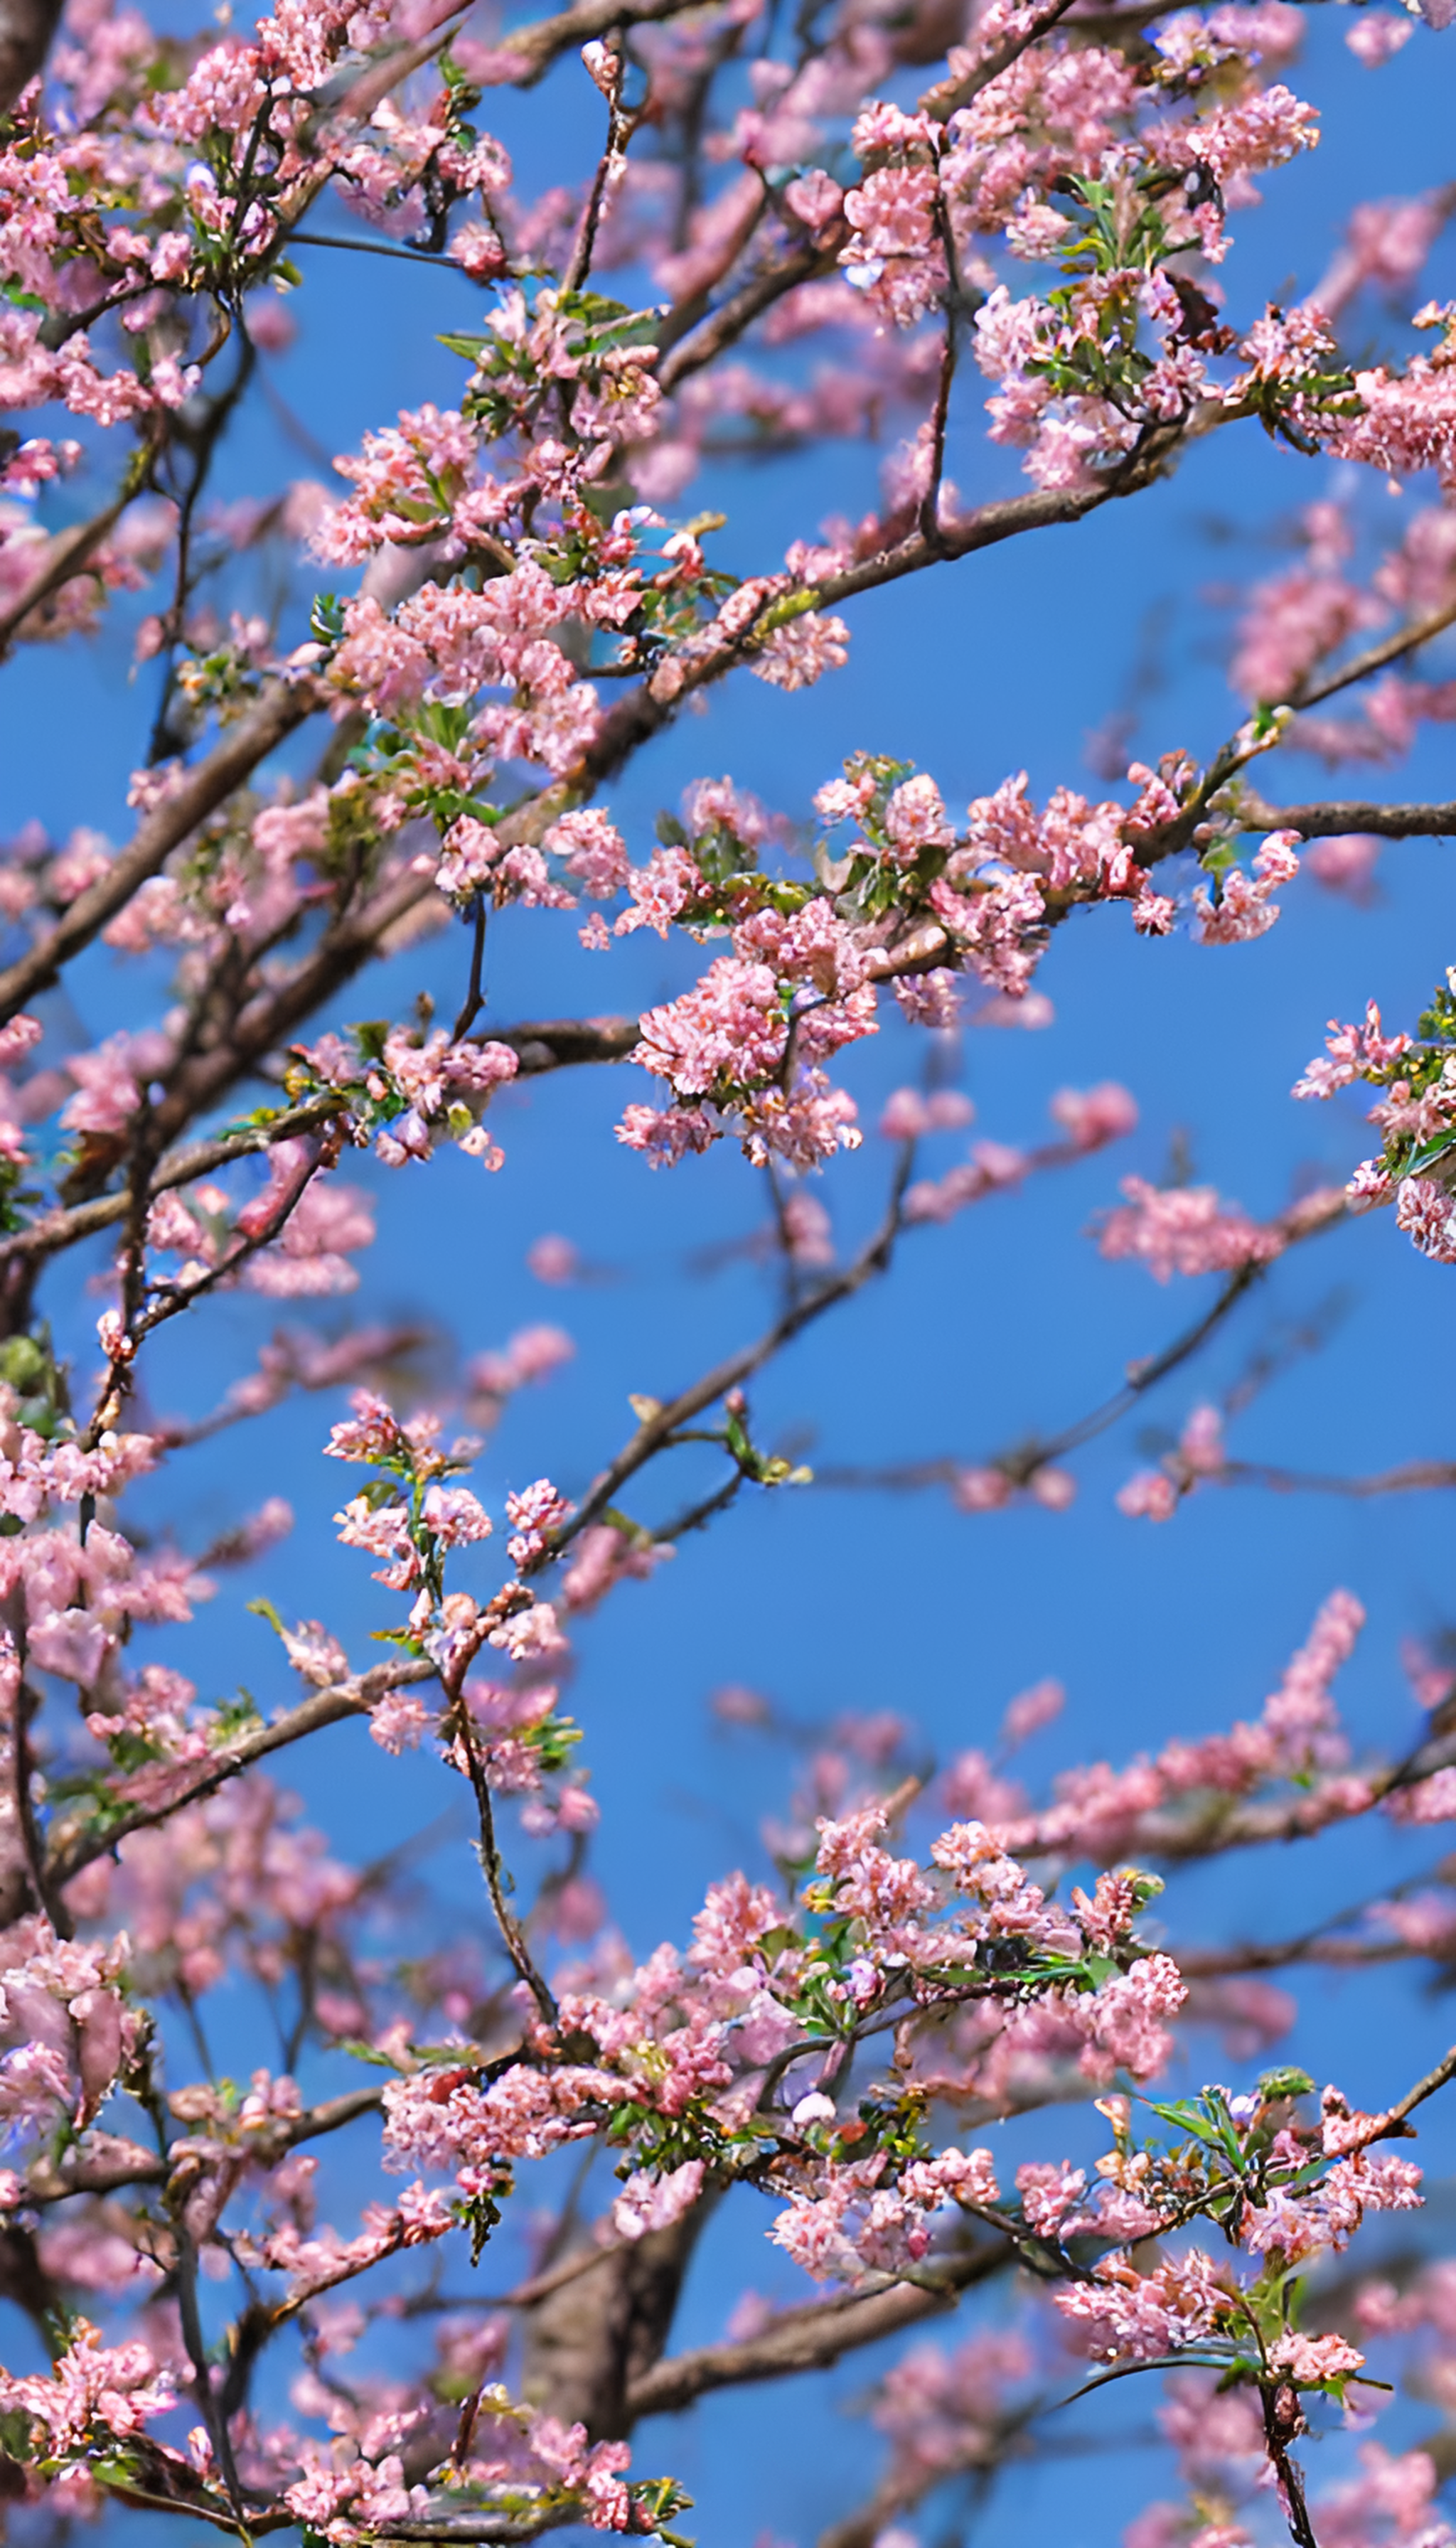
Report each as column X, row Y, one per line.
column 380, row 712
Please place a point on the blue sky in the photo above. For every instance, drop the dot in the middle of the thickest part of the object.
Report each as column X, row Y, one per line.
column 1008, row 1320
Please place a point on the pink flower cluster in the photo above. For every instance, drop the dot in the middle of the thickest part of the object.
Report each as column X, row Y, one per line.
column 1184, row 1229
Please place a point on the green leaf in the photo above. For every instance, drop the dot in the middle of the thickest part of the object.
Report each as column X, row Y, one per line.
column 22, row 1362
column 1185, row 2117
column 326, row 620
column 236, row 1716
column 1438, row 1148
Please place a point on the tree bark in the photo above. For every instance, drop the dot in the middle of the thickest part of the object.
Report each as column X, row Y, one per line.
column 25, row 30
column 591, row 2342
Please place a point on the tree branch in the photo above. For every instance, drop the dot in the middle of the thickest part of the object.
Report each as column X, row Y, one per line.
column 1440, row 2077
column 72, row 1848
column 812, row 2337
column 696, row 342
column 651, row 1437
column 1022, row 1463
column 70, row 549
column 538, row 45
column 104, row 2161
column 282, row 706
column 55, row 1230
column 1404, row 641
column 1322, row 822
column 1413, row 1477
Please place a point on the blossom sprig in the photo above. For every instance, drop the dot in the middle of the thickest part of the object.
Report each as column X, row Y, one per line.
column 1293, row 381
column 1415, row 1115
column 540, row 334
column 1282, row 2190
column 406, row 1514
column 404, row 1091
column 226, row 676
column 693, row 2069
column 96, row 2401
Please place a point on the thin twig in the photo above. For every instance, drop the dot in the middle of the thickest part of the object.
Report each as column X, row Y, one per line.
column 1404, row 641
column 470, row 1007
column 1440, row 2077
column 1022, row 1463
column 53, row 1230
column 652, row 1434
column 458, row 1724
column 375, row 247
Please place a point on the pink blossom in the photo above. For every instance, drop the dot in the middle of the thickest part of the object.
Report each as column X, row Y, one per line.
column 118, row 2387
column 1345, row 861
column 1034, row 1708
column 593, row 848
column 655, row 2203
column 107, row 1091
column 798, row 651
column 553, row 1259
column 534, row 1512
column 1353, row 1053
column 1124, row 2316
column 1048, row 2194
column 814, row 199
column 1184, row 1229
column 1091, row 1117
column 731, row 1027
column 1377, row 35
column 1427, row 1215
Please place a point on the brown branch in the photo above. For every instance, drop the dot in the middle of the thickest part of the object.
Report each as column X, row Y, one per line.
column 70, row 549
column 356, row 937
column 539, row 45
column 558, row 1044
column 1322, row 822
column 1404, row 641
column 375, row 247
column 472, row 2531
column 929, row 516
column 1213, row 1964
column 1412, row 1477
column 481, row 2527
column 620, row 127
column 1320, row 1945
column 1219, row 1823
column 812, row 2337
column 72, row 1848
column 941, row 101
column 281, row 707
column 278, row 1010
column 55, row 1230
column 1443, row 2074
column 1022, row 1463
column 497, row 1880
column 654, row 1433
column 696, row 342
column 156, row 1303
column 104, row 2161
column 704, row 658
